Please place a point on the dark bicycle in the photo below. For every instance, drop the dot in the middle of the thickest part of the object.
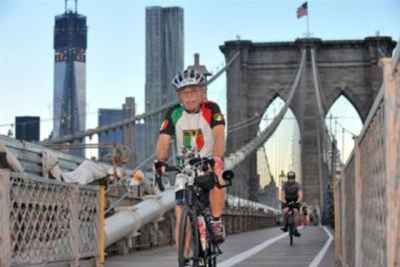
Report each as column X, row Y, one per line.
column 291, row 221
column 196, row 178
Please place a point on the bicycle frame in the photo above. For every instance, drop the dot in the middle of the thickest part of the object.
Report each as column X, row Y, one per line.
column 291, row 222
column 196, row 202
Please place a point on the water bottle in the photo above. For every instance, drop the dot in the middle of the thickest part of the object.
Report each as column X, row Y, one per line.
column 201, row 224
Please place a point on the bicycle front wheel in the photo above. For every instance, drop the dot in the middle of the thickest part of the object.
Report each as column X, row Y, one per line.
column 291, row 233
column 188, row 246
column 212, row 255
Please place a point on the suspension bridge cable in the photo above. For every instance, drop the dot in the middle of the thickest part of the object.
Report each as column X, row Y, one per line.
column 128, row 121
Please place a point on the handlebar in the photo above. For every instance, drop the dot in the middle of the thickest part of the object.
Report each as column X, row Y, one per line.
column 291, row 204
column 227, row 175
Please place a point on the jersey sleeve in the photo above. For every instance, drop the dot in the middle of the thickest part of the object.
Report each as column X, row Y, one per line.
column 167, row 125
column 217, row 117
column 299, row 187
column 284, row 187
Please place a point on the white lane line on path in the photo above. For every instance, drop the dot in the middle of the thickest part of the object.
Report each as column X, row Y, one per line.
column 248, row 253
column 317, row 260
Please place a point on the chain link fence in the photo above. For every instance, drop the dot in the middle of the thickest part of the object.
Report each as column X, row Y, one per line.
column 373, row 195
column 367, row 195
column 349, row 194
column 48, row 221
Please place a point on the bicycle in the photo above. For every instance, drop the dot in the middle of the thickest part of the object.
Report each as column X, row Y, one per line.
column 196, row 178
column 291, row 221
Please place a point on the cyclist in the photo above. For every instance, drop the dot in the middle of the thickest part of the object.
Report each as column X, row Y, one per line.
column 196, row 124
column 291, row 192
column 305, row 216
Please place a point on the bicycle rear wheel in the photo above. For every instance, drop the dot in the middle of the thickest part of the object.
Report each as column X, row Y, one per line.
column 291, row 229
column 188, row 236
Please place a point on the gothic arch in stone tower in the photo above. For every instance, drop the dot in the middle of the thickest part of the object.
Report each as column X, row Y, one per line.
column 263, row 70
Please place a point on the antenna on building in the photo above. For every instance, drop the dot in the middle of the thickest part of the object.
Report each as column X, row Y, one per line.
column 197, row 66
column 70, row 9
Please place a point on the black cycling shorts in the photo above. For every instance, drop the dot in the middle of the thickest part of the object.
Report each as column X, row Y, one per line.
column 296, row 205
column 180, row 198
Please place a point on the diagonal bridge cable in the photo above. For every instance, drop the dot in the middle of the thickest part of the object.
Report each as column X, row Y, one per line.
column 237, row 157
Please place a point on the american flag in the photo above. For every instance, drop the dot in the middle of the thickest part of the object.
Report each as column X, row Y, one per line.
column 302, row 10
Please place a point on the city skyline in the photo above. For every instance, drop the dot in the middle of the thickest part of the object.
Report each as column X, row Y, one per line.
column 130, row 79
column 115, row 67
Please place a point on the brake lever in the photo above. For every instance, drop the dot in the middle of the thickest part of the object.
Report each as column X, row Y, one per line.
column 158, row 179
column 228, row 182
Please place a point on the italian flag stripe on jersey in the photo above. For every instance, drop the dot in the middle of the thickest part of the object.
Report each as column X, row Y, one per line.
column 176, row 114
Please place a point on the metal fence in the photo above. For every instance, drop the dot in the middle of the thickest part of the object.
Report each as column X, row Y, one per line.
column 349, row 196
column 162, row 231
column 367, row 195
column 46, row 222
column 373, row 195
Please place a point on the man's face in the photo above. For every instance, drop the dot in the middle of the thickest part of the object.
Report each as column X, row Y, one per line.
column 191, row 97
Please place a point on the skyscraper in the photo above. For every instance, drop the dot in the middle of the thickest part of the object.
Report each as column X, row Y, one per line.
column 107, row 117
column 126, row 136
column 164, row 58
column 69, row 102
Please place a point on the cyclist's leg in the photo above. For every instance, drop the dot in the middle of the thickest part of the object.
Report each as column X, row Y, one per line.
column 296, row 220
column 285, row 211
column 307, row 219
column 296, row 216
column 217, row 201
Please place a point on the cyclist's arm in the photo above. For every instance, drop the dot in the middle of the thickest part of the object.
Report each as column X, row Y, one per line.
column 167, row 130
column 219, row 141
column 162, row 149
column 300, row 196
column 283, row 195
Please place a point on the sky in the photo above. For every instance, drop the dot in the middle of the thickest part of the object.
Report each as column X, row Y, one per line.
column 116, row 43
column 283, row 147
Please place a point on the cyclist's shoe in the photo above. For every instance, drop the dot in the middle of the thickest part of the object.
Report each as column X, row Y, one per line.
column 188, row 263
column 284, row 229
column 296, row 233
column 218, row 230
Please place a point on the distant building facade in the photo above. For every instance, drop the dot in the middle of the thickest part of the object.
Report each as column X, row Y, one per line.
column 164, row 58
column 27, row 128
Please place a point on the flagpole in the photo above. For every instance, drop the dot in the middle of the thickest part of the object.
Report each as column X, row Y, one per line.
column 308, row 22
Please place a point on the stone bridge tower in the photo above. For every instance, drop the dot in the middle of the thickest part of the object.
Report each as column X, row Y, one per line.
column 264, row 71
